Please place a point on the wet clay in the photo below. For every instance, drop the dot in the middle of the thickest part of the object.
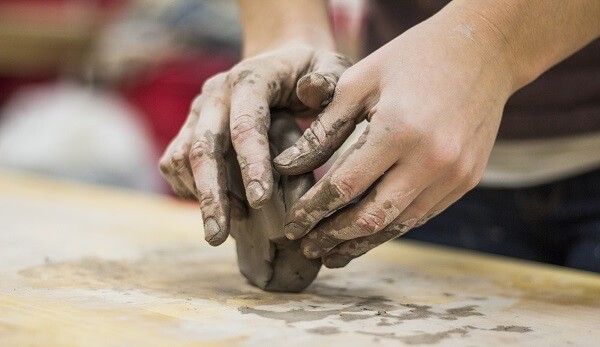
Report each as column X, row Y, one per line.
column 265, row 256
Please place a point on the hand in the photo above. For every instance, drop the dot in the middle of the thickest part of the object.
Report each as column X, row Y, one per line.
column 433, row 98
column 234, row 108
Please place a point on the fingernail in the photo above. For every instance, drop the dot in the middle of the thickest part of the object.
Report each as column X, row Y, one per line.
column 317, row 80
column 320, row 81
column 211, row 229
column 311, row 250
column 293, row 231
column 287, row 157
column 336, row 260
column 255, row 191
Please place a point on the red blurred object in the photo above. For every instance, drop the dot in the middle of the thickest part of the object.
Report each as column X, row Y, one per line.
column 165, row 95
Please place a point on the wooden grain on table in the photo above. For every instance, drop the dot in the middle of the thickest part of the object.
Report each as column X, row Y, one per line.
column 89, row 266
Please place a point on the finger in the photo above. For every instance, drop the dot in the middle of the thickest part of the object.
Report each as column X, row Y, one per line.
column 346, row 180
column 250, row 120
column 315, row 89
column 174, row 164
column 423, row 208
column 176, row 185
column 181, row 169
column 324, row 136
column 343, row 253
column 447, row 201
column 207, row 160
column 382, row 205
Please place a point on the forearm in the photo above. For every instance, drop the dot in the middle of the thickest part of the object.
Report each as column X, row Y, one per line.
column 274, row 23
column 529, row 37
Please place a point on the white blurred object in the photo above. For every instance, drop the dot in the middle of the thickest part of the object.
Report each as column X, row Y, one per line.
column 72, row 132
column 149, row 32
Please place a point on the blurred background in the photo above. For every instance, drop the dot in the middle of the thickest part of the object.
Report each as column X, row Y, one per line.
column 94, row 90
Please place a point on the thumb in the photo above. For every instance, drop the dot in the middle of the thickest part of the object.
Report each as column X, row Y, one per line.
column 318, row 143
column 315, row 89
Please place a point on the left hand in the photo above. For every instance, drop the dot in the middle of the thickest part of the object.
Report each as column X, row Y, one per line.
column 433, row 98
column 233, row 113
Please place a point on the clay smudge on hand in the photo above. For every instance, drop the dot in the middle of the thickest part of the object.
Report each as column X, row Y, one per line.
column 214, row 202
column 316, row 146
column 341, row 255
column 305, row 214
column 316, row 90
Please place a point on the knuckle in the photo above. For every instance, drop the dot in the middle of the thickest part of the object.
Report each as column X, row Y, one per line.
column 178, row 162
column 315, row 134
column 200, row 150
column 324, row 240
column 308, row 217
column 206, row 198
column 164, row 164
column 370, row 222
column 214, row 83
column 444, row 156
column 253, row 165
column 341, row 189
column 357, row 247
column 239, row 73
column 242, row 127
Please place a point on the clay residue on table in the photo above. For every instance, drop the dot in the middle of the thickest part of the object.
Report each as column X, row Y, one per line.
column 365, row 308
column 183, row 273
column 176, row 273
column 324, row 330
column 512, row 328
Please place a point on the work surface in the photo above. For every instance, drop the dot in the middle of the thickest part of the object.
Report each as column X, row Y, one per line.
column 87, row 266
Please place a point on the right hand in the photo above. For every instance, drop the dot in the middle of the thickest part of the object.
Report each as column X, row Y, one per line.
column 234, row 107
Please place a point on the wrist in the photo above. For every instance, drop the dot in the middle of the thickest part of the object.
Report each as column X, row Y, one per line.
column 493, row 43
column 292, row 36
column 272, row 24
column 476, row 34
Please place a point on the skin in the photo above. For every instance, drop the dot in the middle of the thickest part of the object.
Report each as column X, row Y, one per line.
column 233, row 111
column 433, row 98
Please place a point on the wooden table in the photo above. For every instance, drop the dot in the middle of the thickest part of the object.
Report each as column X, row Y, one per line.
column 90, row 266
